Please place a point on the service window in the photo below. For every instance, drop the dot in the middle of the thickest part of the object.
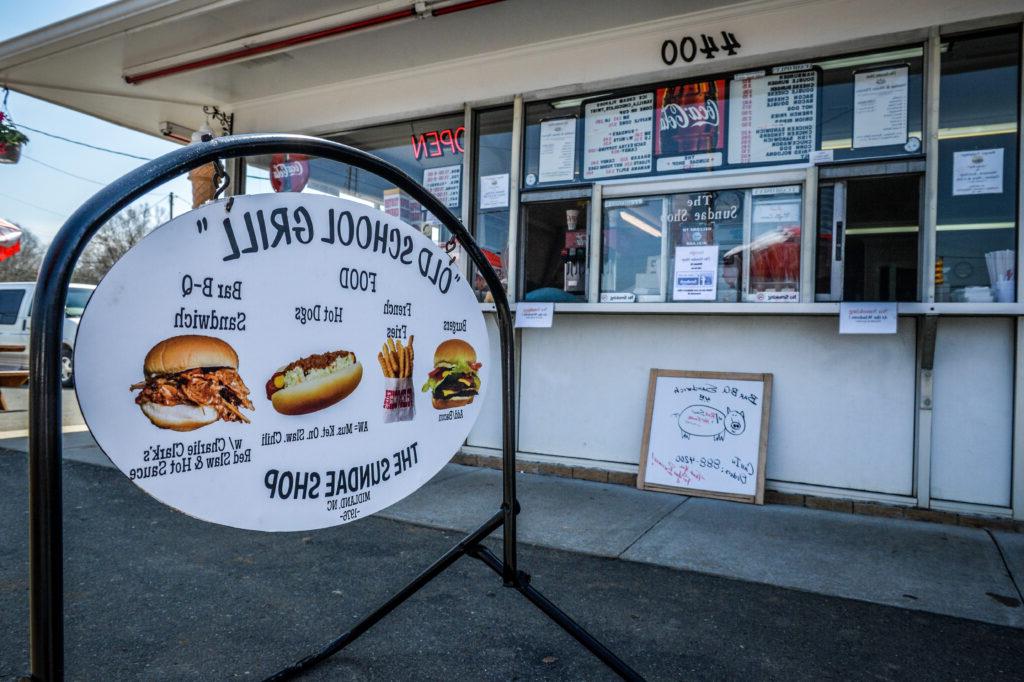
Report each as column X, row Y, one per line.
column 492, row 164
column 869, row 229
column 555, row 234
column 732, row 245
column 976, row 232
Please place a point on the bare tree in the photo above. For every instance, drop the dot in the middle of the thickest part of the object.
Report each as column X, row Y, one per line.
column 24, row 265
column 124, row 231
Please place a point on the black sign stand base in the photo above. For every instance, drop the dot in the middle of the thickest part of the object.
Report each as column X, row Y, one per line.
column 46, row 540
column 470, row 546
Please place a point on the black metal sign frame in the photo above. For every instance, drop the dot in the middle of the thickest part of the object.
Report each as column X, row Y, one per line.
column 46, row 549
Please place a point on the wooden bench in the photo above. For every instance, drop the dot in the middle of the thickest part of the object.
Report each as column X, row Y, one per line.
column 10, row 377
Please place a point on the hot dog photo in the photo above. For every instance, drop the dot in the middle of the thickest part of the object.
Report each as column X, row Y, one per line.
column 314, row 382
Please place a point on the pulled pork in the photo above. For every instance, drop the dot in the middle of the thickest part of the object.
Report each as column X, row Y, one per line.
column 222, row 389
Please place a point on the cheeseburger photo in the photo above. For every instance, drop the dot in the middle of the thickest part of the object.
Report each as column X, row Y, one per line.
column 314, row 382
column 190, row 382
column 453, row 382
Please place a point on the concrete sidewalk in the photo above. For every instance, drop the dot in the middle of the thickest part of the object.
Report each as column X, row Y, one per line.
column 951, row 570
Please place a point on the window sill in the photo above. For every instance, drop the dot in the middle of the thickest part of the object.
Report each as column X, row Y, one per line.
column 903, row 309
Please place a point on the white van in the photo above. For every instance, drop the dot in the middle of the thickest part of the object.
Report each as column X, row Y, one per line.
column 15, row 323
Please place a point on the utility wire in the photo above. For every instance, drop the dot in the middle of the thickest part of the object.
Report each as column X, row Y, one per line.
column 85, row 144
column 21, row 201
column 95, row 182
column 61, row 170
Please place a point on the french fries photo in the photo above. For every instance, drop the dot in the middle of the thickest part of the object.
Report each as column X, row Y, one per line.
column 396, row 360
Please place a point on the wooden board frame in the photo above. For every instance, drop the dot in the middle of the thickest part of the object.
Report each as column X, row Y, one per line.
column 762, row 448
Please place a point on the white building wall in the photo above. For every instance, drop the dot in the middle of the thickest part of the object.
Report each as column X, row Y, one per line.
column 842, row 409
column 972, row 427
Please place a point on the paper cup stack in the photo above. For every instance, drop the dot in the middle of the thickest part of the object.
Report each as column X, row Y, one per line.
column 1001, row 269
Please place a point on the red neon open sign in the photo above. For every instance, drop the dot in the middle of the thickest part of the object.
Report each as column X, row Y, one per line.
column 434, row 143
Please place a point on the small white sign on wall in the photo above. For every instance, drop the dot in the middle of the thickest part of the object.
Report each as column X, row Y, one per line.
column 534, row 314
column 867, row 318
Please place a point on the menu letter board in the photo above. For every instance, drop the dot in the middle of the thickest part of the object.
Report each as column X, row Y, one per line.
column 706, row 434
column 282, row 361
column 617, row 138
column 445, row 183
column 773, row 117
column 557, row 150
column 880, row 107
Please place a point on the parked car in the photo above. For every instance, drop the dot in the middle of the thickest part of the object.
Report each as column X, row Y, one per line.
column 15, row 324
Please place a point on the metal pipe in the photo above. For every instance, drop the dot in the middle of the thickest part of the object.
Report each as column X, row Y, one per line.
column 556, row 614
column 446, row 560
column 46, row 638
column 301, row 39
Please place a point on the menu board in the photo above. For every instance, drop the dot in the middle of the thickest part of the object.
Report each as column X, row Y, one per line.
column 880, row 107
column 557, row 150
column 282, row 361
column 773, row 117
column 618, row 136
column 706, row 434
column 445, row 183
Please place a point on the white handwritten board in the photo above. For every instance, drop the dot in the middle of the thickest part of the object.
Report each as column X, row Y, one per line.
column 706, row 434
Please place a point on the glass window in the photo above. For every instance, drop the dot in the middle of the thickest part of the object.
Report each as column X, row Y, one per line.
column 977, row 199
column 429, row 150
column 868, row 238
column 493, row 164
column 10, row 304
column 551, row 154
column 727, row 246
column 555, row 250
column 871, row 104
column 858, row 106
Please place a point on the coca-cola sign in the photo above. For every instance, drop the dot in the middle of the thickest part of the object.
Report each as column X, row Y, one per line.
column 675, row 116
column 691, row 126
column 289, row 172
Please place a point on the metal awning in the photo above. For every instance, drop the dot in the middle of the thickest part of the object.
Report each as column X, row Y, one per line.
column 138, row 63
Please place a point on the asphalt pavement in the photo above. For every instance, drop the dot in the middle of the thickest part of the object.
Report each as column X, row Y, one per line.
column 153, row 594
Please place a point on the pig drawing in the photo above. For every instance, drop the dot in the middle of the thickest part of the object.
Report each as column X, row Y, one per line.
column 706, row 421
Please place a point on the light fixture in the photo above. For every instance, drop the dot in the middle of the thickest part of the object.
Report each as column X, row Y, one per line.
column 640, row 224
column 176, row 132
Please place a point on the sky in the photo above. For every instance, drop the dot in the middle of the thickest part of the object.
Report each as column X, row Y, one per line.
column 32, row 193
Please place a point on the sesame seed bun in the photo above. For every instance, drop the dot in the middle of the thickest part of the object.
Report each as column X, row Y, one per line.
column 189, row 351
column 453, row 350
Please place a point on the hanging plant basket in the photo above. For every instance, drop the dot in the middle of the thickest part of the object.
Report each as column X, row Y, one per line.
column 11, row 139
column 10, row 153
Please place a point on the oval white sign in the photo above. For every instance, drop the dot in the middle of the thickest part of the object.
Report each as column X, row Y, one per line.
column 294, row 363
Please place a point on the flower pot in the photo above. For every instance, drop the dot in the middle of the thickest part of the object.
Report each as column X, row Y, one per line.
column 10, row 153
